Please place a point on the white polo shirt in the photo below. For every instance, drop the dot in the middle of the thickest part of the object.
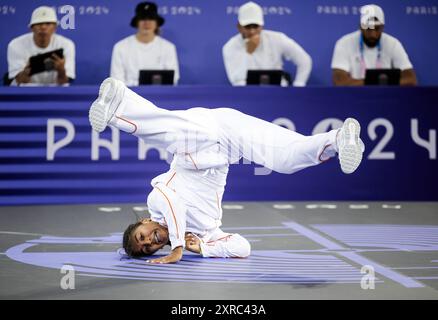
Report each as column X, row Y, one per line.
column 273, row 48
column 130, row 56
column 23, row 47
column 347, row 55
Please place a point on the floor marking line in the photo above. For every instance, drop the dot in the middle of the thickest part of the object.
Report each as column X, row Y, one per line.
column 110, row 209
column 353, row 256
column 256, row 228
column 358, row 206
column 414, row 268
column 328, row 244
column 233, row 206
column 21, row 233
column 270, row 235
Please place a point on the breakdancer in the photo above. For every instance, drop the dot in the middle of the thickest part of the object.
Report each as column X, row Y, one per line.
column 185, row 203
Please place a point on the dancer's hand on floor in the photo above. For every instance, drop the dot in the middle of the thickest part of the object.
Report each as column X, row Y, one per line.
column 173, row 257
column 193, row 243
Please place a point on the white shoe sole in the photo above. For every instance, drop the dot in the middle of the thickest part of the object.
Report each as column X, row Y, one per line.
column 104, row 107
column 350, row 151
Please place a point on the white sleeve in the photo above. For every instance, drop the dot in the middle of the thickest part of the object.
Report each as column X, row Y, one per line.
column 235, row 63
column 400, row 59
column 165, row 206
column 227, row 246
column 70, row 56
column 340, row 57
column 292, row 51
column 171, row 62
column 17, row 59
column 117, row 70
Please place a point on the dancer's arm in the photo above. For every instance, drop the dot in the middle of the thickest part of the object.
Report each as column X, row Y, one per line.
column 166, row 208
column 174, row 256
column 228, row 246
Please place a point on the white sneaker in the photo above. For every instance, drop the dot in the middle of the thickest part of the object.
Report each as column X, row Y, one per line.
column 350, row 146
column 103, row 108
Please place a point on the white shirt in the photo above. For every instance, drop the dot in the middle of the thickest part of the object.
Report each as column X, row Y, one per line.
column 347, row 55
column 273, row 48
column 23, row 47
column 195, row 186
column 130, row 56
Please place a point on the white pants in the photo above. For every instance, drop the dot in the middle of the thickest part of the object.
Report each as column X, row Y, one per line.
column 239, row 135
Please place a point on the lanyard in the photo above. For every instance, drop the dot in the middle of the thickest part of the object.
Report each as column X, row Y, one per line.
column 362, row 59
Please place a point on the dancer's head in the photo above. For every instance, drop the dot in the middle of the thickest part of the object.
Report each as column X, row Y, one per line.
column 144, row 238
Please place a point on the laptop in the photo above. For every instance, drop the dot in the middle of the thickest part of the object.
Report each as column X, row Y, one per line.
column 156, row 77
column 383, row 77
column 44, row 62
column 264, row 77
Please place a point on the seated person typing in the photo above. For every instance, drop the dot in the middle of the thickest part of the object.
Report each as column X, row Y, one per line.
column 145, row 50
column 369, row 48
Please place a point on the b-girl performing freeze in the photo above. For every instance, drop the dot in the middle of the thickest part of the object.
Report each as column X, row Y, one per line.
column 185, row 203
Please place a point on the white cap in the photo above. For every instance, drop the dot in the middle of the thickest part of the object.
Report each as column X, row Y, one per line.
column 250, row 13
column 43, row 15
column 369, row 14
